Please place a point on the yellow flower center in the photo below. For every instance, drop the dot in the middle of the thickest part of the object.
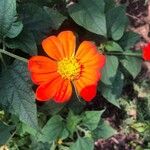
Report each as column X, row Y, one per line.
column 69, row 68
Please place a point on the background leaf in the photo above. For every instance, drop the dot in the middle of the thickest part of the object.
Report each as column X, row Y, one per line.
column 113, row 92
column 75, row 105
column 52, row 130
column 128, row 62
column 15, row 29
column 51, row 107
column 39, row 20
column 83, row 144
column 72, row 122
column 24, row 128
column 90, row 15
column 25, row 42
column 16, row 93
column 129, row 39
column 110, row 69
column 59, row 18
column 40, row 146
column 91, row 119
column 5, row 132
column 113, row 46
column 104, row 130
column 109, row 4
column 116, row 22
column 9, row 25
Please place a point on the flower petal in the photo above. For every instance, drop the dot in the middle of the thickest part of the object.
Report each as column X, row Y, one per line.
column 146, row 52
column 88, row 93
column 53, row 47
column 68, row 40
column 41, row 78
column 83, row 82
column 48, row 90
column 41, row 64
column 64, row 93
column 91, row 74
column 88, row 55
column 96, row 62
column 86, row 50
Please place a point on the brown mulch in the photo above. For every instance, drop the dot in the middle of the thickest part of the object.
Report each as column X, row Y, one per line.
column 120, row 142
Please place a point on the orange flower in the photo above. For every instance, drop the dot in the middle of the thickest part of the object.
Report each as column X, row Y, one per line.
column 146, row 52
column 66, row 67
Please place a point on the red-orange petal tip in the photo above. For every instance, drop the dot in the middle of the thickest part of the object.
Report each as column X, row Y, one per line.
column 88, row 93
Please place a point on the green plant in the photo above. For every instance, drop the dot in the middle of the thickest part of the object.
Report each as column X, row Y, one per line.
column 28, row 124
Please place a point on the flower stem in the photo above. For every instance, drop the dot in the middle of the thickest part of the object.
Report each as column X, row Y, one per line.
column 76, row 92
column 81, row 129
column 124, row 54
column 11, row 136
column 1, row 56
column 2, row 59
column 13, row 55
column 87, row 133
column 53, row 146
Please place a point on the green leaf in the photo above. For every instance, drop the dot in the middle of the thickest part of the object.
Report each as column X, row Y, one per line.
column 110, row 69
column 116, row 22
column 109, row 4
column 91, row 119
column 113, row 46
column 75, row 105
column 9, row 25
column 140, row 127
column 64, row 134
column 24, row 128
column 83, row 144
column 41, row 2
column 132, row 64
column 104, row 130
column 39, row 145
column 59, row 18
column 25, row 42
column 5, row 132
column 16, row 93
column 72, row 121
column 52, row 130
column 15, row 29
column 52, row 107
column 40, row 20
column 62, row 147
column 90, row 15
column 113, row 92
column 129, row 39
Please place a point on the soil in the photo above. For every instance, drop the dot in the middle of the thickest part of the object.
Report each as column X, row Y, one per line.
column 119, row 142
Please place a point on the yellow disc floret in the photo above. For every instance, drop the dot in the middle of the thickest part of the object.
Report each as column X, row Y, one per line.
column 60, row 141
column 69, row 68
